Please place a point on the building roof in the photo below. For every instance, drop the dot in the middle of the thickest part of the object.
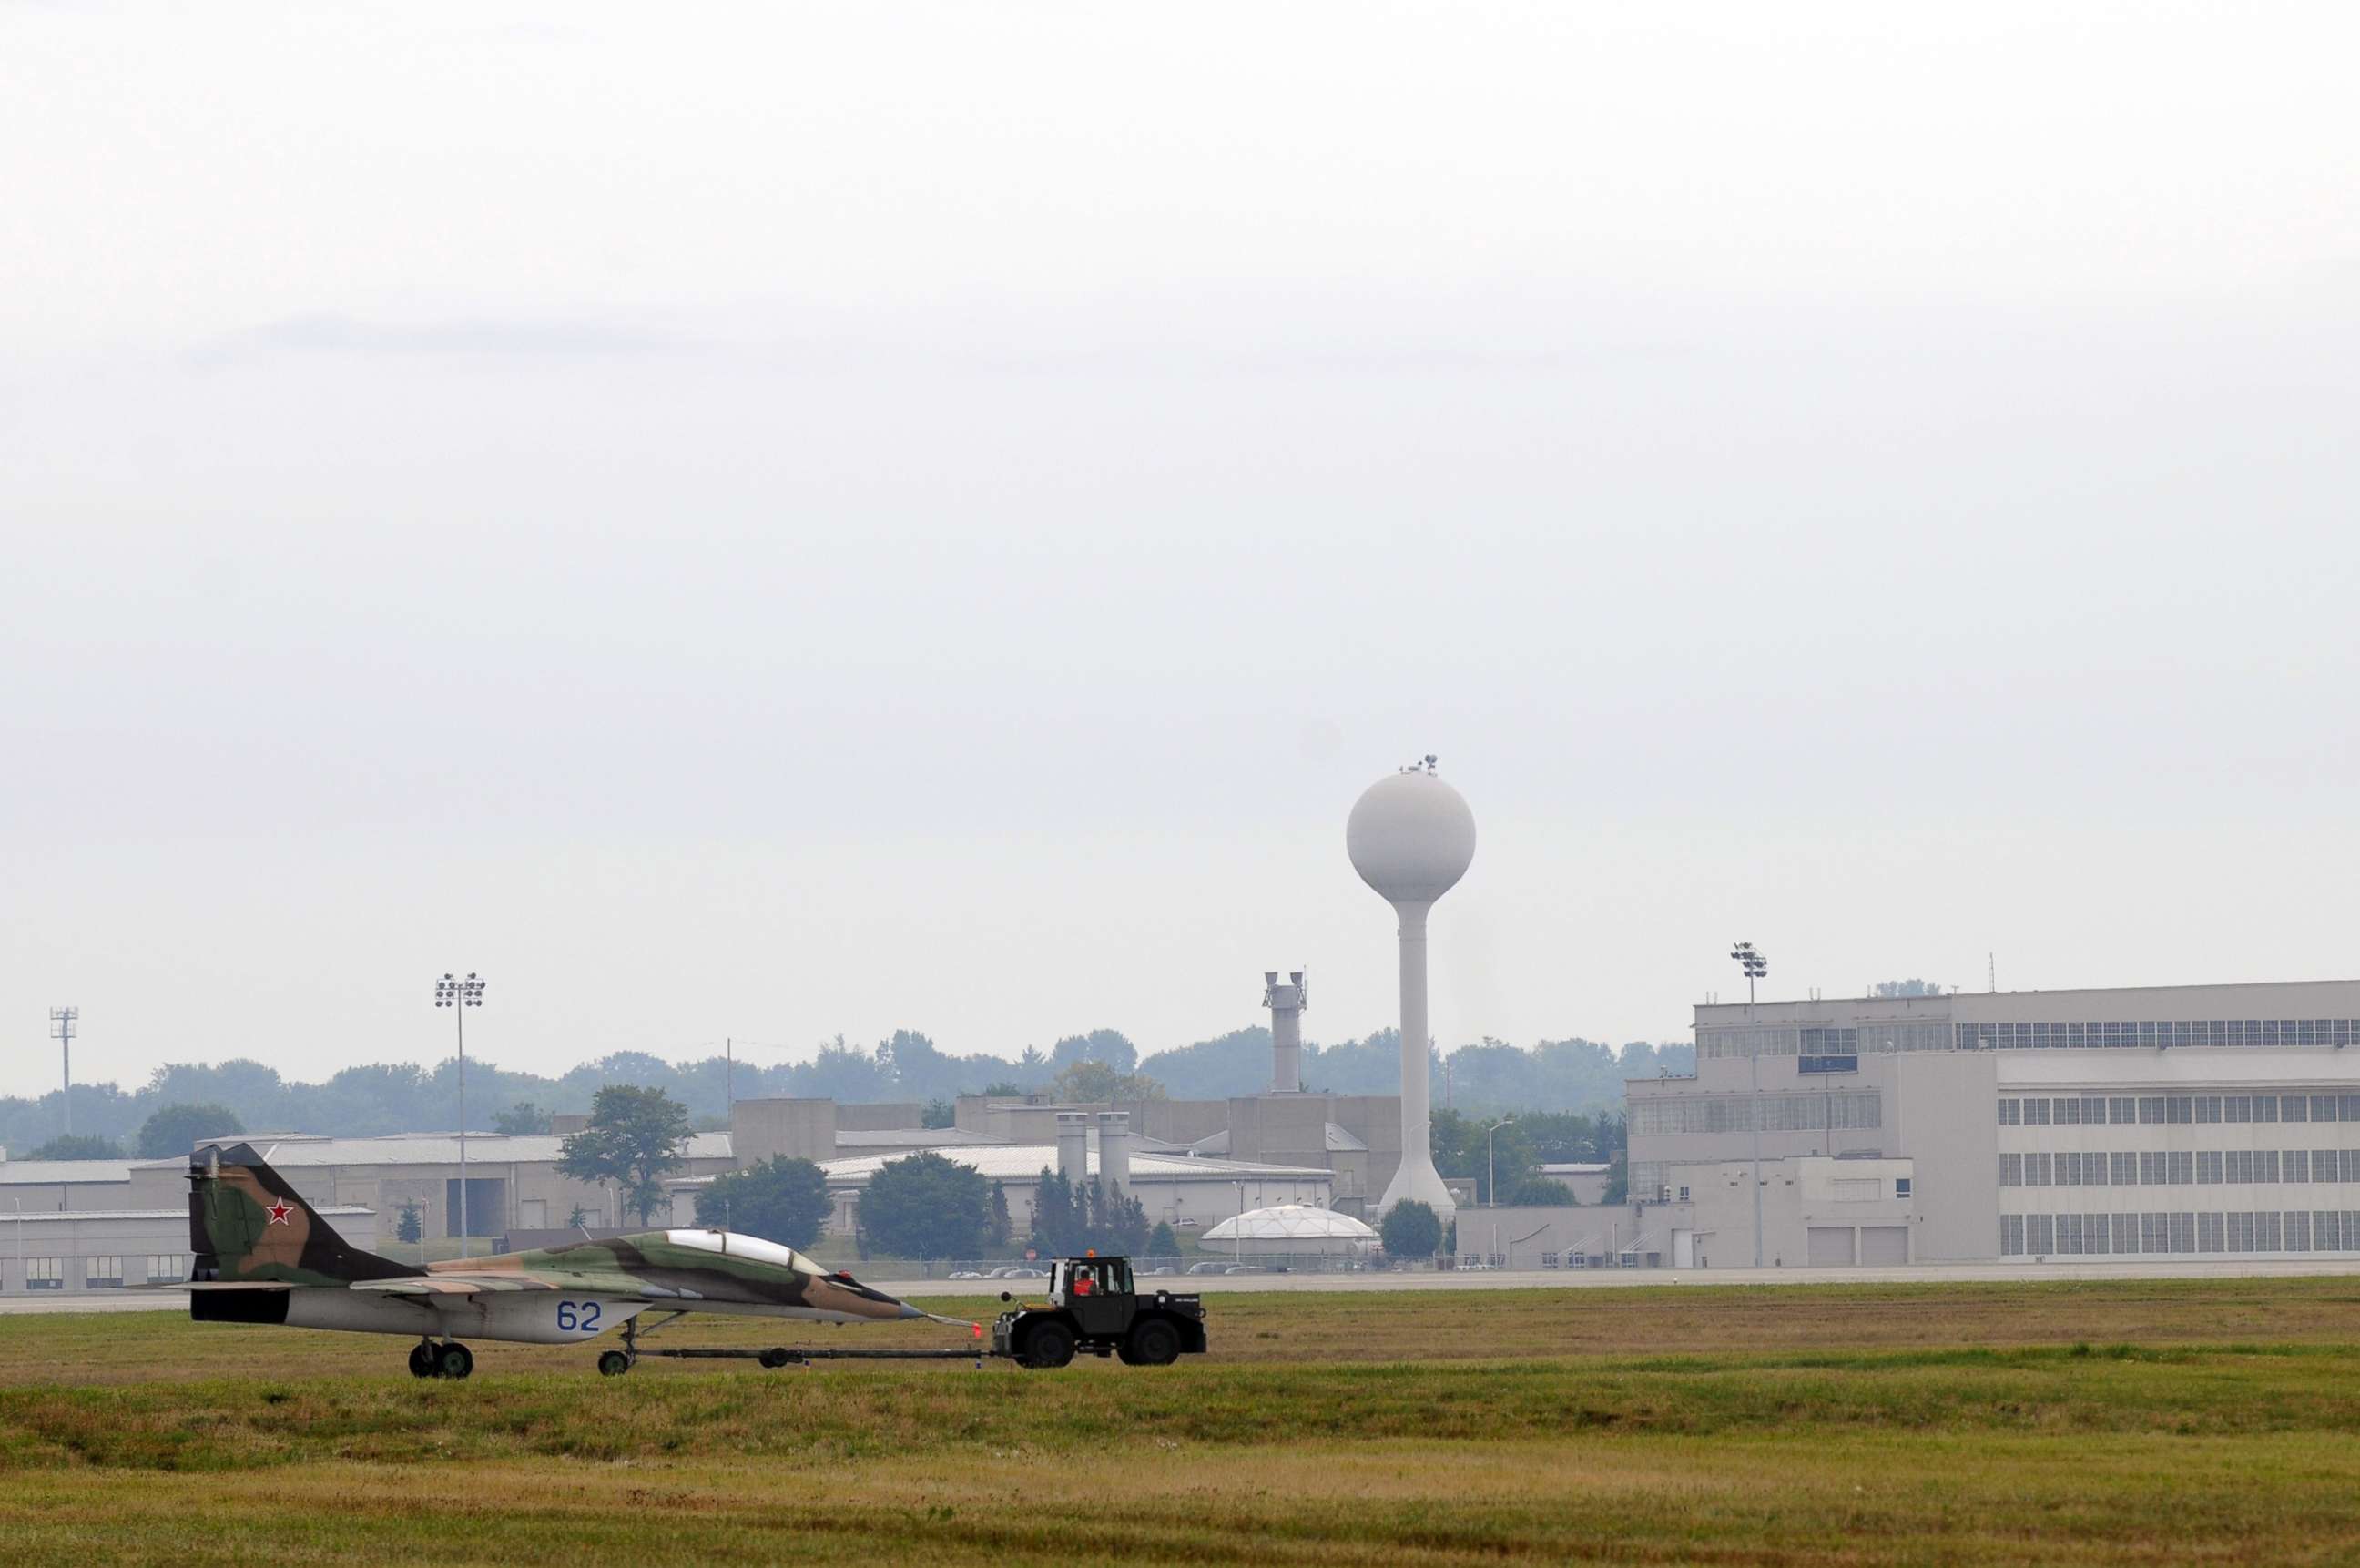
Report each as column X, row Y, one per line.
column 54, row 1172
column 424, row 1148
column 913, row 1138
column 1576, row 1170
column 1021, row 1162
column 1290, row 1222
column 1333, row 1139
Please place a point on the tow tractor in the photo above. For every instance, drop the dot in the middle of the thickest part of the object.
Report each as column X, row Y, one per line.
column 1093, row 1306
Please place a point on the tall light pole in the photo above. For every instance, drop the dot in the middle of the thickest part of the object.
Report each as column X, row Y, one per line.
column 1491, row 1175
column 62, row 1030
column 1755, row 966
column 459, row 995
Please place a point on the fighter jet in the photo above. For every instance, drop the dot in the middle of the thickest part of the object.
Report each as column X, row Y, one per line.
column 265, row 1255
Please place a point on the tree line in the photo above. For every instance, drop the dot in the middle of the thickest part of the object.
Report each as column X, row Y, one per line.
column 1575, row 1076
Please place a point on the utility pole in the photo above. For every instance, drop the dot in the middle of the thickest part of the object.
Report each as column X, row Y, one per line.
column 61, row 1029
column 1755, row 966
column 459, row 995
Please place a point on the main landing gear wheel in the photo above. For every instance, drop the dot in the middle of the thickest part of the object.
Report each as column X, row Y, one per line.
column 455, row 1361
column 613, row 1363
column 421, row 1359
column 1049, row 1346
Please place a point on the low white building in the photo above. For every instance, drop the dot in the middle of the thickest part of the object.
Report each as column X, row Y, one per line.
column 1186, row 1192
column 83, row 1251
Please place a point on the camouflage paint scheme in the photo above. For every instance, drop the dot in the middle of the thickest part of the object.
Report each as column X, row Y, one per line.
column 251, row 1231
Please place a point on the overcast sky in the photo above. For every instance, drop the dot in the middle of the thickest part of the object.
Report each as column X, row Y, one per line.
column 775, row 521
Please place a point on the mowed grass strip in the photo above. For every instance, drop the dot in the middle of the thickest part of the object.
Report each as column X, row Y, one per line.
column 1592, row 1498
column 1332, row 1328
column 842, row 1413
column 2228, row 1440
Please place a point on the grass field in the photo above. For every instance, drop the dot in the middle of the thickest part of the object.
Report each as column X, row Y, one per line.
column 2163, row 1421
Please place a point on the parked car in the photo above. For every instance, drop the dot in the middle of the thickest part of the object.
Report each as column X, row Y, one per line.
column 1208, row 1269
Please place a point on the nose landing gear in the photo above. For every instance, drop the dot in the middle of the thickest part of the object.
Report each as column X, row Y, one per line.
column 449, row 1359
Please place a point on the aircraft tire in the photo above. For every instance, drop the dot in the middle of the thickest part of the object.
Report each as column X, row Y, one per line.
column 1049, row 1346
column 421, row 1360
column 613, row 1363
column 773, row 1358
column 455, row 1361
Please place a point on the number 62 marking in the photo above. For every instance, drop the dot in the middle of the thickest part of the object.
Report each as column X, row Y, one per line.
column 578, row 1317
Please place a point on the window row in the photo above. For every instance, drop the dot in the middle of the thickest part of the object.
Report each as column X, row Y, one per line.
column 2119, row 1110
column 1717, row 1043
column 2266, row 1230
column 2157, row 1033
column 104, row 1273
column 2177, row 1167
column 1673, row 1113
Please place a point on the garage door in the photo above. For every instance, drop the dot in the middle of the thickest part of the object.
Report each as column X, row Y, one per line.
column 1885, row 1244
column 1828, row 1246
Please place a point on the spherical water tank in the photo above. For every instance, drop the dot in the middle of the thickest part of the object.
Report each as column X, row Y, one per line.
column 1411, row 836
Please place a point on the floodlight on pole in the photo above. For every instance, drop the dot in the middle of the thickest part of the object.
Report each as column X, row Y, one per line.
column 459, row 995
column 1491, row 1173
column 61, row 1029
column 1750, row 960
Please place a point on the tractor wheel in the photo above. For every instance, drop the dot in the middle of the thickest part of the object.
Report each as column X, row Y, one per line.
column 613, row 1363
column 774, row 1358
column 455, row 1361
column 1153, row 1343
column 1050, row 1344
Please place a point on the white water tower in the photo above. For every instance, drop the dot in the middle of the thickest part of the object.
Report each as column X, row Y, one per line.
column 1412, row 837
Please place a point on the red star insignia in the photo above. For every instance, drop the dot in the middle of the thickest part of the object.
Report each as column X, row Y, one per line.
column 279, row 1211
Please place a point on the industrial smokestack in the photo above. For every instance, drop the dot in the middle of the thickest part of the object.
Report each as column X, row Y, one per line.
column 1114, row 1150
column 1412, row 837
column 1074, row 1146
column 1286, row 1004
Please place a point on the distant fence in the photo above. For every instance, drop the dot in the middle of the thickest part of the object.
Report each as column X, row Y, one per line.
column 1207, row 1263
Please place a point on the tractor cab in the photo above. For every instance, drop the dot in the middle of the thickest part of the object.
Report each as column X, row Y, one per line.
column 1097, row 1290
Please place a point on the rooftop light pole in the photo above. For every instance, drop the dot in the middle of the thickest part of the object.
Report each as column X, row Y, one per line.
column 1491, row 1173
column 459, row 995
column 1755, row 966
column 62, row 1030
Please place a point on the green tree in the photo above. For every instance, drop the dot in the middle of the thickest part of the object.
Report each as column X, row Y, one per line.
column 411, row 1226
column 1539, row 1192
column 998, row 1224
column 938, row 1113
column 1055, row 1223
column 634, row 1140
column 522, row 1120
column 1162, row 1242
column 1003, row 1086
column 175, row 1129
column 78, row 1146
column 1089, row 1082
column 577, row 1218
column 925, row 1206
column 780, row 1199
column 1410, row 1229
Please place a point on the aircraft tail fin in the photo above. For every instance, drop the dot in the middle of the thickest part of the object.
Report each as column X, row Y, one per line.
column 246, row 1222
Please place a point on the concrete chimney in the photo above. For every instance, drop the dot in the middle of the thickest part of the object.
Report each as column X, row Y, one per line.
column 1286, row 1004
column 1074, row 1146
column 1114, row 1150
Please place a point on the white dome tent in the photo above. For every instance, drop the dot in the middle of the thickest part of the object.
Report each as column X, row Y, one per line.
column 1299, row 1229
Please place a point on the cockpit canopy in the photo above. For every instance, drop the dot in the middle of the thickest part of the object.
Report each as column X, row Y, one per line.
column 730, row 1244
